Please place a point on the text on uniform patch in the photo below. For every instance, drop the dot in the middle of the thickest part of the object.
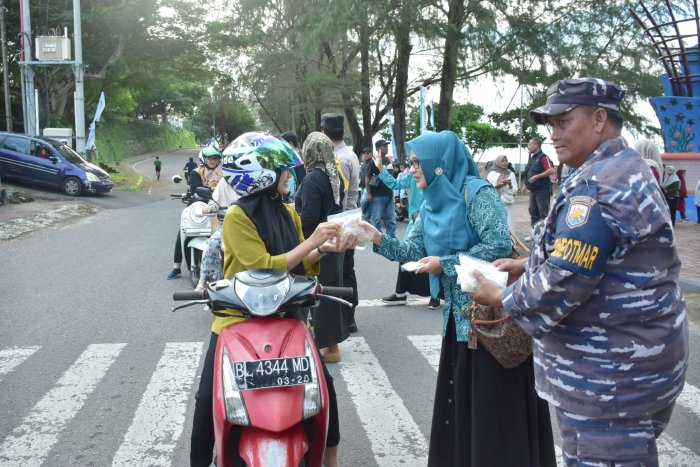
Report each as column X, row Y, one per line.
column 576, row 252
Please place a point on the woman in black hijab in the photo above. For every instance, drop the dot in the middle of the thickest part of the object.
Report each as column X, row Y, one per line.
column 260, row 231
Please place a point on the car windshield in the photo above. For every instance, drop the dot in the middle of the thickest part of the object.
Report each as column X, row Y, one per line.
column 70, row 155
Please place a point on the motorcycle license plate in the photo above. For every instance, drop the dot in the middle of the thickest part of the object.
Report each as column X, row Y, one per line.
column 273, row 373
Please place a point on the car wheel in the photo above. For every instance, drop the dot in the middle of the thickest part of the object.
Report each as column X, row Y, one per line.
column 72, row 186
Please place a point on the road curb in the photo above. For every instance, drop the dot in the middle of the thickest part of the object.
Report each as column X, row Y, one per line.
column 44, row 219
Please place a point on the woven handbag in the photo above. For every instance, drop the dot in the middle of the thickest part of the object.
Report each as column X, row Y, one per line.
column 494, row 329
column 498, row 333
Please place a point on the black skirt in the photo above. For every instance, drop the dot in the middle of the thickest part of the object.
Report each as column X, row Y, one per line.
column 329, row 319
column 410, row 282
column 486, row 415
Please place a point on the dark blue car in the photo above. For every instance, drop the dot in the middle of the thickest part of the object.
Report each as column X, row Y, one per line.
column 49, row 162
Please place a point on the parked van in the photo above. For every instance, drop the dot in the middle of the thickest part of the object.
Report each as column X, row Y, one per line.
column 49, row 162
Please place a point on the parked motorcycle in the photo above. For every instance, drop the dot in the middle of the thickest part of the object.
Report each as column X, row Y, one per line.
column 270, row 396
column 195, row 228
column 401, row 208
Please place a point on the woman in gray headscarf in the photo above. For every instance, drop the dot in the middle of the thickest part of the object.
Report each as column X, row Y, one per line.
column 503, row 179
column 318, row 197
column 671, row 188
column 650, row 153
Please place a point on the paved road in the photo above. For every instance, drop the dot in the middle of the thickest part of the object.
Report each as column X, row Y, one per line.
column 95, row 369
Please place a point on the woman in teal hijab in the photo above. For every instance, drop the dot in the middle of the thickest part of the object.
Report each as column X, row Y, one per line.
column 484, row 414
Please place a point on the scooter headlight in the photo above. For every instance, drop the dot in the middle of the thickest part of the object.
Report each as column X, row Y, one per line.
column 263, row 301
column 236, row 412
column 196, row 214
column 312, row 390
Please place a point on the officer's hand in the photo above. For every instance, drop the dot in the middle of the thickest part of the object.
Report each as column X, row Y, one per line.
column 531, row 180
column 512, row 266
column 487, row 293
column 431, row 265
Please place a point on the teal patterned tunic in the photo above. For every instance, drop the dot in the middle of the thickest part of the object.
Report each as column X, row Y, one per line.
column 487, row 215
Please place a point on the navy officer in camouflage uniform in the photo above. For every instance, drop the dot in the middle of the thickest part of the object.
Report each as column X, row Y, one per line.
column 599, row 293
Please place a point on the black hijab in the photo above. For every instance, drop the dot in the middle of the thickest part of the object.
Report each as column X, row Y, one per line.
column 273, row 222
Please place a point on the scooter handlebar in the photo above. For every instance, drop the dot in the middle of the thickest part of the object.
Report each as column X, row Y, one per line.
column 337, row 291
column 185, row 295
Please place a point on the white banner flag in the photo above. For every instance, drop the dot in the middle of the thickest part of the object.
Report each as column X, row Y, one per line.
column 100, row 107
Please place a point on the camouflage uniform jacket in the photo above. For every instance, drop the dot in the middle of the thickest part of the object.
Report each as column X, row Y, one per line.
column 600, row 293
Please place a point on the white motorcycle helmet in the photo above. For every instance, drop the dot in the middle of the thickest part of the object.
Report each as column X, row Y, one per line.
column 208, row 152
column 258, row 169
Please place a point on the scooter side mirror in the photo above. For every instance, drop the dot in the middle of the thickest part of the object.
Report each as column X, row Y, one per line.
column 176, row 179
column 203, row 192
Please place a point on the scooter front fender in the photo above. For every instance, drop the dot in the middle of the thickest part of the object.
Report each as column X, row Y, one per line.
column 198, row 243
column 265, row 448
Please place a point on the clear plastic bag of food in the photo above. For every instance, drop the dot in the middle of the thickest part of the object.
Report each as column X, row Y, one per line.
column 349, row 226
column 465, row 273
column 412, row 266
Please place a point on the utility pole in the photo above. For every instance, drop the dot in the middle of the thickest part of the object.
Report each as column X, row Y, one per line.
column 27, row 65
column 5, row 69
column 28, row 99
column 79, row 72
column 221, row 122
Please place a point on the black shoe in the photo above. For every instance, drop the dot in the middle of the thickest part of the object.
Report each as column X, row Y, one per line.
column 434, row 304
column 352, row 328
column 394, row 299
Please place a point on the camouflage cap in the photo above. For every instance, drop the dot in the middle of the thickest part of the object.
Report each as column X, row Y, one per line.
column 565, row 95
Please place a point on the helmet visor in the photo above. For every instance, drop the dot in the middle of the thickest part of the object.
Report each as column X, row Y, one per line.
column 276, row 154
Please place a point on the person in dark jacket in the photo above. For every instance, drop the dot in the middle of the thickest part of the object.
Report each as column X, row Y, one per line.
column 671, row 188
column 318, row 197
column 539, row 168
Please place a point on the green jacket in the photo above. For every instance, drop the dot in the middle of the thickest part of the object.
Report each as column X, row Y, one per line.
column 673, row 190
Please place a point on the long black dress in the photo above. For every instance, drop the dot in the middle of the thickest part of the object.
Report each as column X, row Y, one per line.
column 503, row 408
column 314, row 203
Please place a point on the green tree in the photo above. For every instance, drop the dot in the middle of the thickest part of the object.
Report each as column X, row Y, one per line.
column 237, row 118
column 478, row 131
column 149, row 64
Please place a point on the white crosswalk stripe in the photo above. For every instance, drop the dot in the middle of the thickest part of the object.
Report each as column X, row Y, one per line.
column 29, row 443
column 10, row 358
column 670, row 452
column 394, row 435
column 690, row 399
column 160, row 416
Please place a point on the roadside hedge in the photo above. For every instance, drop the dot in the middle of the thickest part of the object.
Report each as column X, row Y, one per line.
column 117, row 140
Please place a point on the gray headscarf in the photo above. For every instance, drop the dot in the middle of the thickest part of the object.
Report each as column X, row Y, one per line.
column 318, row 153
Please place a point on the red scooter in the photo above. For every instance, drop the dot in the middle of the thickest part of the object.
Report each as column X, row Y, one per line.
column 270, row 396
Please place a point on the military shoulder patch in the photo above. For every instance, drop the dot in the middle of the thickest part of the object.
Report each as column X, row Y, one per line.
column 579, row 210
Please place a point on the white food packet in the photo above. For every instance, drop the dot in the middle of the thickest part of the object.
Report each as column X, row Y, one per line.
column 465, row 273
column 348, row 222
column 412, row 266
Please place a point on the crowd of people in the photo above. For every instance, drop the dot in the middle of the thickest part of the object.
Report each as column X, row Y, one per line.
column 612, row 377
